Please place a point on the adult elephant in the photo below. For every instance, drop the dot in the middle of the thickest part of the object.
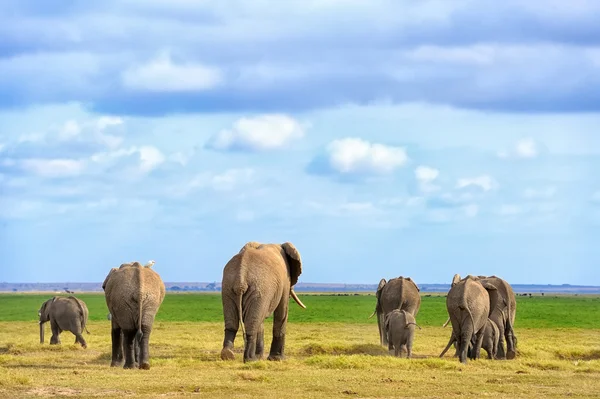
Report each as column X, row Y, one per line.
column 64, row 314
column 258, row 281
column 400, row 293
column 468, row 303
column 503, row 314
column 133, row 295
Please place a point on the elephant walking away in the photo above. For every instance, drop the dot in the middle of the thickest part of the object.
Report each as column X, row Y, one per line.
column 400, row 293
column 468, row 303
column 133, row 295
column 400, row 326
column 64, row 314
column 258, row 281
column 503, row 314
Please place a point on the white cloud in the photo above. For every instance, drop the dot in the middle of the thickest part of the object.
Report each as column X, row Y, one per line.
column 526, row 148
column 70, row 130
column 161, row 74
column 260, row 133
column 485, row 182
column 53, row 167
column 225, row 181
column 354, row 155
column 105, row 121
column 150, row 158
column 544, row 193
column 425, row 175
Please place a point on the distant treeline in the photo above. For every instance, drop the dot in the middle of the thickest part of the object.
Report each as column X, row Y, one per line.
column 300, row 287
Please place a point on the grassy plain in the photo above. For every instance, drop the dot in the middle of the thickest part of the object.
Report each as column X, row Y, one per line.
column 333, row 351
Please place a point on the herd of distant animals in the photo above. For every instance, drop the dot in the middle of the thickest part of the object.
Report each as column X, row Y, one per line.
column 258, row 281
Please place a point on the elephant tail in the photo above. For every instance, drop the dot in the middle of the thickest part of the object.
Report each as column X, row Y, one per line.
column 240, row 312
column 139, row 334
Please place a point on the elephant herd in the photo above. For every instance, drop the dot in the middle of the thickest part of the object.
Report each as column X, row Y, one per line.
column 257, row 282
column 481, row 309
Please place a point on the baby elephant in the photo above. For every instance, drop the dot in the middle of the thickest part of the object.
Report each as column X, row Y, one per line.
column 64, row 314
column 491, row 336
column 400, row 327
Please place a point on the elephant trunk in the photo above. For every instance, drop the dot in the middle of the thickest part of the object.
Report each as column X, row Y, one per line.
column 41, row 332
column 298, row 301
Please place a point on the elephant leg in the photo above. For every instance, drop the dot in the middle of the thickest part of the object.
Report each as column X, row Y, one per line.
column 501, row 353
column 250, row 347
column 232, row 323
column 260, row 342
column 227, row 351
column 55, row 338
column 79, row 339
column 116, row 335
column 463, row 347
column 280, row 317
column 383, row 338
column 397, row 350
column 144, row 348
column 510, row 343
column 129, row 338
column 476, row 352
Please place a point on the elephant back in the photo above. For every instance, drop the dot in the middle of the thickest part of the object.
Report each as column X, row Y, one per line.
column 400, row 293
column 132, row 291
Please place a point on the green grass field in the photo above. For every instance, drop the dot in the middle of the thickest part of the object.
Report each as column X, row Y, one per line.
column 332, row 347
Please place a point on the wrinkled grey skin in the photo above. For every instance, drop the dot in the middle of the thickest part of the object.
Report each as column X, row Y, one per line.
column 400, row 326
column 398, row 293
column 133, row 295
column 64, row 314
column 489, row 343
column 258, row 281
column 136, row 344
column 503, row 314
column 468, row 304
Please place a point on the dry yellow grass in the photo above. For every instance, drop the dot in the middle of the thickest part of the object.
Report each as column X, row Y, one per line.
column 324, row 360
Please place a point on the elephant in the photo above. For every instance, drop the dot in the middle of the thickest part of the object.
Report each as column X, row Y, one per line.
column 400, row 326
column 64, row 314
column 133, row 295
column 398, row 293
column 503, row 314
column 489, row 343
column 468, row 303
column 258, row 281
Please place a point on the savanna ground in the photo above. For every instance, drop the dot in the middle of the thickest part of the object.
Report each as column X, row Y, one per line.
column 332, row 348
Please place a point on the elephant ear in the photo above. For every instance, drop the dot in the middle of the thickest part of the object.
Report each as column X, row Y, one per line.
column 112, row 270
column 493, row 294
column 415, row 284
column 382, row 284
column 455, row 279
column 294, row 261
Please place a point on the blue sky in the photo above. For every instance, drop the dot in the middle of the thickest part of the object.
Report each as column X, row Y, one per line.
column 382, row 138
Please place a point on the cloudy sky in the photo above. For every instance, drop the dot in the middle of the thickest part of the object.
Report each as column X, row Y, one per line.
column 381, row 137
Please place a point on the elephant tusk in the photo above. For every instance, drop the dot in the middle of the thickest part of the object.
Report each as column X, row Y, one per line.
column 298, row 301
column 373, row 314
column 446, row 323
